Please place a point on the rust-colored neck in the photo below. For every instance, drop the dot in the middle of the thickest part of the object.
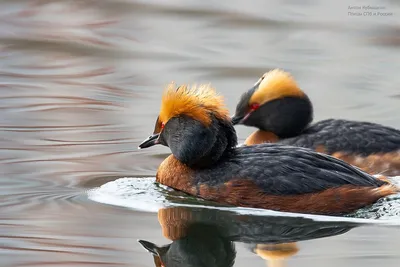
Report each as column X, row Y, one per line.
column 260, row 137
column 175, row 174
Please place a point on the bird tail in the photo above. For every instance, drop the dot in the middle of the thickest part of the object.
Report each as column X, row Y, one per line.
column 387, row 190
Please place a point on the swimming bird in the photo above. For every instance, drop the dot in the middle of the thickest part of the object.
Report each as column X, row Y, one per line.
column 282, row 112
column 205, row 162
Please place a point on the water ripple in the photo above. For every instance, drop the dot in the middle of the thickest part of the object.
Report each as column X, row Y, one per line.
column 80, row 86
column 145, row 194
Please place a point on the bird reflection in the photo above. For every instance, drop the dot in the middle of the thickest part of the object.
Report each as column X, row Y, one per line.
column 275, row 254
column 205, row 237
column 203, row 245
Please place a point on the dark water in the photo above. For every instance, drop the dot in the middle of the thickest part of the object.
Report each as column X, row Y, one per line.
column 80, row 87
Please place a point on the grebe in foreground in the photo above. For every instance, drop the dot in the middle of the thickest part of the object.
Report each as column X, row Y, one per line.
column 282, row 112
column 194, row 123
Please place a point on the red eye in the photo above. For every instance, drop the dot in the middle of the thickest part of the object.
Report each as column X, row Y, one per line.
column 162, row 125
column 254, row 106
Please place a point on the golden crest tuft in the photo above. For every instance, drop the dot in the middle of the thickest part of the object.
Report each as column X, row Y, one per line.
column 198, row 102
column 275, row 84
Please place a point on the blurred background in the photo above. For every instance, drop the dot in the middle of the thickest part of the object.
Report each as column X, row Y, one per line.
column 80, row 87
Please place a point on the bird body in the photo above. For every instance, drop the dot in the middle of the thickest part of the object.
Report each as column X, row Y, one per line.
column 284, row 115
column 205, row 162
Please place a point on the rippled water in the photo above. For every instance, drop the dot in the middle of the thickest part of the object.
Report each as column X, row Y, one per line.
column 81, row 82
column 144, row 194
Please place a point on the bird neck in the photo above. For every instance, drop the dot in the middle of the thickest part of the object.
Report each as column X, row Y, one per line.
column 285, row 117
column 201, row 146
column 224, row 143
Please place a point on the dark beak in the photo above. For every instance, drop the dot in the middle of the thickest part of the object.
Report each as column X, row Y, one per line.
column 154, row 249
column 150, row 247
column 150, row 141
column 237, row 119
column 240, row 119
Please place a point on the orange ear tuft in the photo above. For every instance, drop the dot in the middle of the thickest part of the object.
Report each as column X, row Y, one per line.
column 275, row 84
column 198, row 102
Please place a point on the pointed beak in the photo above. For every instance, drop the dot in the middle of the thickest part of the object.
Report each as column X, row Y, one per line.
column 239, row 119
column 236, row 119
column 150, row 141
column 150, row 247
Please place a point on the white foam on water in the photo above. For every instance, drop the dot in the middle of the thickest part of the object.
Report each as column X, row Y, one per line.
column 136, row 193
column 144, row 194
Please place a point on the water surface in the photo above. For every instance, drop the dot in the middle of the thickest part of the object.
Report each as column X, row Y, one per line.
column 80, row 88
